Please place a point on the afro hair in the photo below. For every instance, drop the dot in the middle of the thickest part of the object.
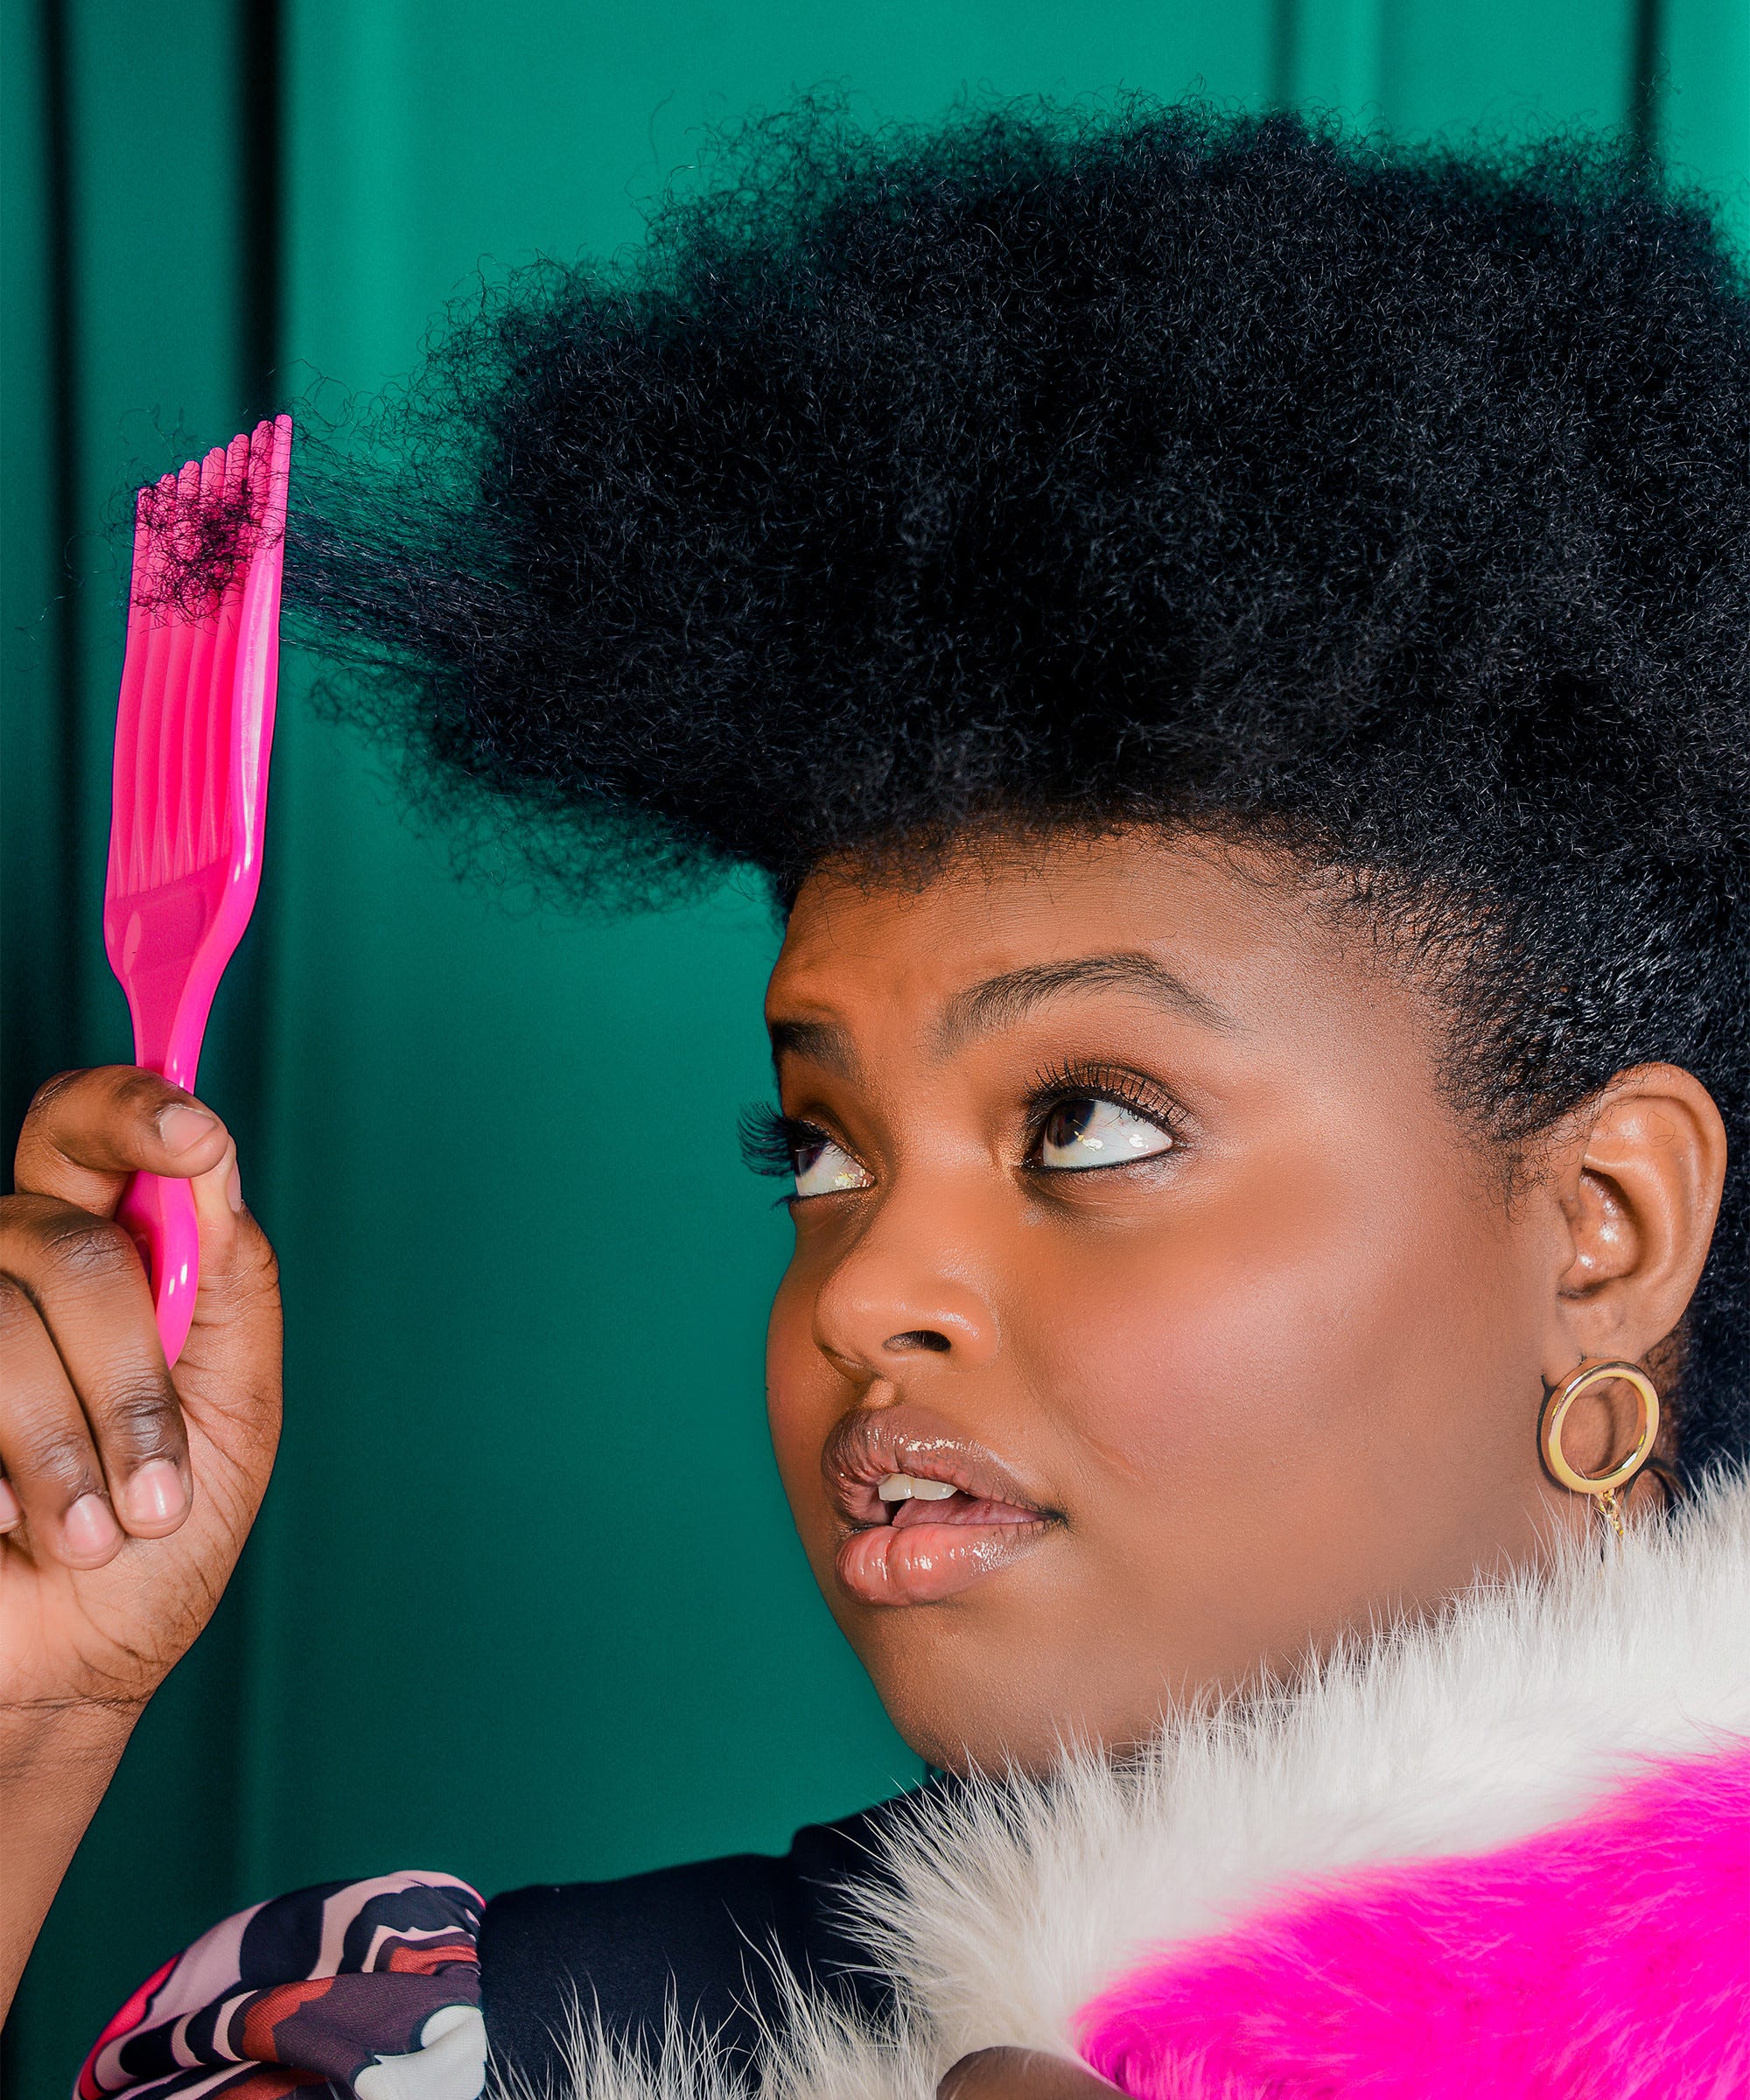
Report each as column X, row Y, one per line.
column 1155, row 465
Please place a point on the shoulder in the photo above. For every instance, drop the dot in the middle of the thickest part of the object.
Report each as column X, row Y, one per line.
column 710, row 1940
column 333, row 1981
column 414, row 1971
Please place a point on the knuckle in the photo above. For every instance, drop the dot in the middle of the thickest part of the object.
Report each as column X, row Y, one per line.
column 31, row 1203
column 267, row 1269
column 53, row 1457
column 139, row 1095
column 253, row 1271
column 86, row 1251
column 30, row 1226
column 17, row 1311
column 15, row 1297
column 44, row 1100
column 116, row 1096
column 138, row 1419
column 253, row 1292
column 28, row 1212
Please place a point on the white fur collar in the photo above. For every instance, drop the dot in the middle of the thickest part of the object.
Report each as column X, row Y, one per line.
column 1010, row 1908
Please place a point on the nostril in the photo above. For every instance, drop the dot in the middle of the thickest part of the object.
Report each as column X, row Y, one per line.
column 919, row 1338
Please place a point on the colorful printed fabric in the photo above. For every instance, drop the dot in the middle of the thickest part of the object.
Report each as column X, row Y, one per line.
column 359, row 1990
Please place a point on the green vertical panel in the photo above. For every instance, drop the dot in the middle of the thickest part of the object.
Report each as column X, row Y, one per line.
column 1336, row 54
column 152, row 129
column 34, row 1005
column 1422, row 67
column 529, row 1602
column 32, row 992
column 1500, row 64
column 1703, row 99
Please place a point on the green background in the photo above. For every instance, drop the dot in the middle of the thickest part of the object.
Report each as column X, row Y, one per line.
column 524, row 1602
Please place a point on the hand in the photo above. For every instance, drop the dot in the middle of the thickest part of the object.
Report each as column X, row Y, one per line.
column 1022, row 2074
column 128, row 1491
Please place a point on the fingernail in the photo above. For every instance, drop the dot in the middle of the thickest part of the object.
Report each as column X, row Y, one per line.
column 88, row 1528
column 182, row 1127
column 233, row 1189
column 154, row 1495
column 11, row 1512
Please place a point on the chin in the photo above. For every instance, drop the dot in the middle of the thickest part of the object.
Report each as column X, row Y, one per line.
column 951, row 1740
column 964, row 1712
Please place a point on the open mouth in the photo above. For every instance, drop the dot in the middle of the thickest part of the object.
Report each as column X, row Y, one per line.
column 910, row 1498
column 928, row 1512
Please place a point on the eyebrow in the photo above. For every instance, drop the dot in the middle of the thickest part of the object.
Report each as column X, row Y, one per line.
column 824, row 1043
column 1001, row 1001
column 998, row 1002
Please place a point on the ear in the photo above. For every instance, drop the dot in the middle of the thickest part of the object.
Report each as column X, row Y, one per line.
column 1639, row 1183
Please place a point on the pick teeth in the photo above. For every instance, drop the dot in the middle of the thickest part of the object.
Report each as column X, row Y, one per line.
column 903, row 1488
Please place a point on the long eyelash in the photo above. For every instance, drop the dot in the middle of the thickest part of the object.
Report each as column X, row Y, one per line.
column 1059, row 1083
column 768, row 1140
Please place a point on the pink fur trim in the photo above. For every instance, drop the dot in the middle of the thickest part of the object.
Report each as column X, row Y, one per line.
column 1607, row 1959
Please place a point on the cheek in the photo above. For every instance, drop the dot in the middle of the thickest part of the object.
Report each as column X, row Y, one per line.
column 804, row 1395
column 1278, row 1330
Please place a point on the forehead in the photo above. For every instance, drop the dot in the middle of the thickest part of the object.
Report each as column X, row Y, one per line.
column 1236, row 928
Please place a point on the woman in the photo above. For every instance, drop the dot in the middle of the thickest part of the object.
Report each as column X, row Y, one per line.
column 1229, row 648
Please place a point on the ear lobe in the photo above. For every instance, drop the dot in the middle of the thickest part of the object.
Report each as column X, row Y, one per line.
column 1641, row 1192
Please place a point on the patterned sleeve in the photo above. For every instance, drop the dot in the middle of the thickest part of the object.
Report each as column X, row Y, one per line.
column 358, row 1990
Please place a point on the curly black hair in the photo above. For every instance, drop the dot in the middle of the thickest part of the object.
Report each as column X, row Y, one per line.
column 1154, row 464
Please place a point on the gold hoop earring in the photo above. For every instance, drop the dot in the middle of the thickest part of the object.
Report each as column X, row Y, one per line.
column 1601, row 1486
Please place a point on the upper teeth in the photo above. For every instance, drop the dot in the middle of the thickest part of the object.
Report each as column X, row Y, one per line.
column 902, row 1488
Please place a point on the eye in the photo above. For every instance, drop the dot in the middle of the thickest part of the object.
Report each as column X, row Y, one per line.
column 822, row 1168
column 798, row 1153
column 1085, row 1131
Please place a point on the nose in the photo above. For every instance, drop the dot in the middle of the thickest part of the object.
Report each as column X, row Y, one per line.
column 898, row 1296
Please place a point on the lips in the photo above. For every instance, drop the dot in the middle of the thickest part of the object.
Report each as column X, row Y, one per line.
column 913, row 1551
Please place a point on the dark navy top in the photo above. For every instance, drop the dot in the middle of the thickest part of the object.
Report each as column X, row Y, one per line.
column 704, row 1935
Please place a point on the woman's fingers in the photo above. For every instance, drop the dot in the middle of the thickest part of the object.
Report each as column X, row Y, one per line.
column 86, row 1131
column 98, row 1442
column 54, row 1479
column 89, row 1407
column 1009, row 2073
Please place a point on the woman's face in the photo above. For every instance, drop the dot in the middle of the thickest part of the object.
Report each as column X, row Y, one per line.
column 1132, row 1224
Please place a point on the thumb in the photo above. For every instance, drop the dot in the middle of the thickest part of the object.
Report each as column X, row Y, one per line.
column 230, row 1364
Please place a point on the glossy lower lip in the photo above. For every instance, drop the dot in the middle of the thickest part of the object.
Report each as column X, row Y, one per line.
column 923, row 1563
